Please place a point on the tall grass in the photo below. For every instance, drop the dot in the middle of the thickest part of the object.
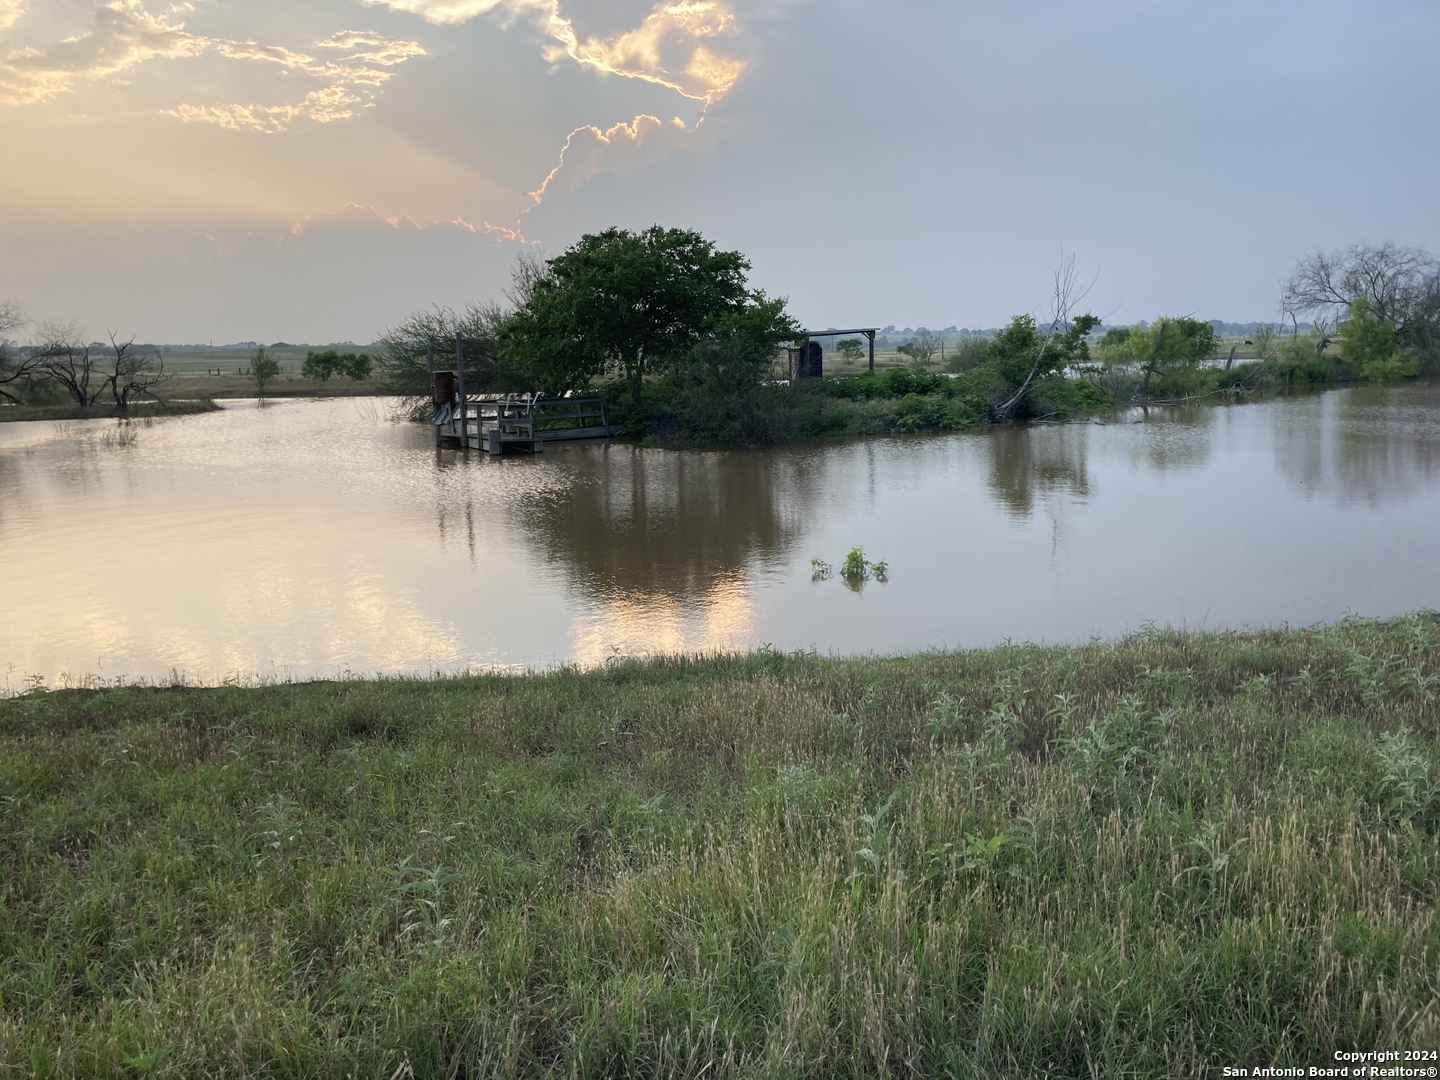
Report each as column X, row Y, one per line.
column 1158, row 856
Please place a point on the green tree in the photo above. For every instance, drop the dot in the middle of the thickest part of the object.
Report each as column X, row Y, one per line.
column 322, row 365
column 1029, row 360
column 1169, row 351
column 1368, row 342
column 638, row 305
column 1266, row 340
column 263, row 369
column 851, row 349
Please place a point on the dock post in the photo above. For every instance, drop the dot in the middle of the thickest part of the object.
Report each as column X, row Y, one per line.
column 460, row 375
column 435, row 405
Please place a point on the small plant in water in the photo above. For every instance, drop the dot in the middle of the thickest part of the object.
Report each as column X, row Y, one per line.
column 856, row 569
column 820, row 570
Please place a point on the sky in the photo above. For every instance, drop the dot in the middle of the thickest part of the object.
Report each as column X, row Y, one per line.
column 314, row 170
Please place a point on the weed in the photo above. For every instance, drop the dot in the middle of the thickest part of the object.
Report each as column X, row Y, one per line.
column 1131, row 858
column 1407, row 789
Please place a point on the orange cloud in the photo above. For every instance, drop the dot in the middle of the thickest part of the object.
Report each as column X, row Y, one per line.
column 664, row 49
column 10, row 12
column 364, row 218
column 124, row 35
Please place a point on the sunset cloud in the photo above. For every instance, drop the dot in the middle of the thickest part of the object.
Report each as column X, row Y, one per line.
column 123, row 36
column 10, row 12
column 667, row 49
column 357, row 218
column 664, row 49
column 588, row 151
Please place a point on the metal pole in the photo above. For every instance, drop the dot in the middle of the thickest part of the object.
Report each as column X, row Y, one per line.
column 871, row 335
column 460, row 377
column 434, row 406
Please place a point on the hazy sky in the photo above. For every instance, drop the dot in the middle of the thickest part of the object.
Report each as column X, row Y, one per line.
column 312, row 170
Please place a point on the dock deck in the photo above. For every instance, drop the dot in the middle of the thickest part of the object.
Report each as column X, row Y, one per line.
column 495, row 424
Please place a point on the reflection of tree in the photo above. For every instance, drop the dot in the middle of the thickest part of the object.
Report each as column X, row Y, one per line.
column 11, row 504
column 1026, row 462
column 1173, row 437
column 1365, row 444
column 663, row 523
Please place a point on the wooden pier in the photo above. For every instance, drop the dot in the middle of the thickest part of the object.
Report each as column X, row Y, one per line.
column 497, row 423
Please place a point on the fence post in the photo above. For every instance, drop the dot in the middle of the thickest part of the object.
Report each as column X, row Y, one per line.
column 460, row 377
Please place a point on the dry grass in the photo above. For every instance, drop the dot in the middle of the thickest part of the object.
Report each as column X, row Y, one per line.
column 1154, row 857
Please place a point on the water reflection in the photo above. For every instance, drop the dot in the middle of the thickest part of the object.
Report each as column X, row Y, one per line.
column 1370, row 444
column 1172, row 438
column 634, row 521
column 1026, row 463
column 310, row 537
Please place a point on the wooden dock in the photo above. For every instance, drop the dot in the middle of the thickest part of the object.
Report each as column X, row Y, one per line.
column 495, row 424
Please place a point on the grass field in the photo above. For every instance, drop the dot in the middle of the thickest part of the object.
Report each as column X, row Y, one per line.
column 199, row 377
column 1153, row 857
column 223, row 373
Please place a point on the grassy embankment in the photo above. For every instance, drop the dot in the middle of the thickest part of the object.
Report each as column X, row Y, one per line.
column 105, row 411
column 1159, row 856
column 196, row 380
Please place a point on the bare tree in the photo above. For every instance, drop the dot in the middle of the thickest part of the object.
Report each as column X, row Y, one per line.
column 1394, row 281
column 1066, row 295
column 132, row 372
column 530, row 266
column 14, row 367
column 926, row 344
column 62, row 355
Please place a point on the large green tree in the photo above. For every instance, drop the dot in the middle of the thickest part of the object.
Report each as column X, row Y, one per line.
column 639, row 305
column 1028, row 359
column 1169, row 351
column 1369, row 343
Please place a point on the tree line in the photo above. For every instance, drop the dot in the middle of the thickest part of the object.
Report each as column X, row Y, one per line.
column 1368, row 312
column 87, row 373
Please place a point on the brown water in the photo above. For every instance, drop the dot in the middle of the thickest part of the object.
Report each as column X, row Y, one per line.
column 315, row 538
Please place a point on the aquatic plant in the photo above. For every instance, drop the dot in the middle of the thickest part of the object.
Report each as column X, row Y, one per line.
column 857, row 568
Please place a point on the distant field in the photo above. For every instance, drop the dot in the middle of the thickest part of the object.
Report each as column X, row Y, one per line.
column 224, row 373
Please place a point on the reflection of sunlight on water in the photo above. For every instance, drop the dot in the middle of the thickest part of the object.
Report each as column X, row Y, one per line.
column 375, row 622
column 310, row 538
column 720, row 619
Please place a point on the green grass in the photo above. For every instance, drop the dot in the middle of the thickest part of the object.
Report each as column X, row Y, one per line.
column 106, row 410
column 1152, row 857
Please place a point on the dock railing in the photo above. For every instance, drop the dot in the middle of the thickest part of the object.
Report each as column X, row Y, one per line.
column 524, row 422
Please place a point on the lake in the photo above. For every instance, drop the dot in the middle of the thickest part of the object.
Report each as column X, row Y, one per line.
column 316, row 538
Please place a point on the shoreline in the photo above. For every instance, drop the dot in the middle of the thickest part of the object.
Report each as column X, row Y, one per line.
column 15, row 414
column 1158, row 855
